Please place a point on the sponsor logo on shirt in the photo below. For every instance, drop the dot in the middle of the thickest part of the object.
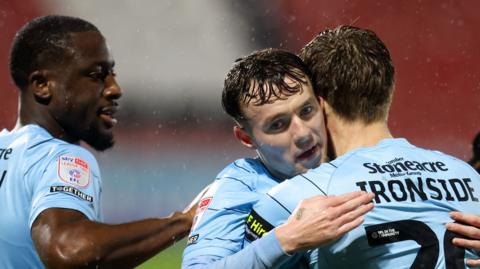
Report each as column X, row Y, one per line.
column 74, row 170
column 256, row 227
column 401, row 180
column 202, row 207
column 73, row 191
column 401, row 167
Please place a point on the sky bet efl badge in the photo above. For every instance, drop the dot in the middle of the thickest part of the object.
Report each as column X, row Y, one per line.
column 74, row 170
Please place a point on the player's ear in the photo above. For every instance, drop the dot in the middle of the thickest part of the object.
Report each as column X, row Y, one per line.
column 40, row 85
column 320, row 100
column 244, row 137
column 327, row 109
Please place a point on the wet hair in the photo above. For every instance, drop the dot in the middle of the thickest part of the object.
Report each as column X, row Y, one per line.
column 42, row 43
column 259, row 78
column 352, row 70
column 476, row 149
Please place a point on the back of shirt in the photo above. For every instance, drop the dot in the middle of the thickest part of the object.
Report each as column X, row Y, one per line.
column 38, row 172
column 415, row 190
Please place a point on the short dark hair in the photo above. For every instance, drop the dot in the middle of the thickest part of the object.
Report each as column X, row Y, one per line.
column 474, row 161
column 352, row 70
column 476, row 147
column 259, row 78
column 41, row 43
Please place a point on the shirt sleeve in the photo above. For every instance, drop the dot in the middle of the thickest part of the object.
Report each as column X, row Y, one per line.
column 263, row 253
column 219, row 224
column 217, row 236
column 67, row 178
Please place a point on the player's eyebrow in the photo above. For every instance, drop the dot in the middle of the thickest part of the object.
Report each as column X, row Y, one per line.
column 308, row 101
column 109, row 64
column 272, row 118
column 279, row 115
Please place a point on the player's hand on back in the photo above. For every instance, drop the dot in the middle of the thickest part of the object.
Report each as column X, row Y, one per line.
column 467, row 225
column 323, row 219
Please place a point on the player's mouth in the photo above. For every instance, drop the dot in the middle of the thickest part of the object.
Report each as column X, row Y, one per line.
column 309, row 154
column 107, row 115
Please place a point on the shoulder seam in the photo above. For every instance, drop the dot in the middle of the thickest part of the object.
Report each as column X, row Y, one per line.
column 243, row 168
column 320, row 189
column 39, row 143
column 228, row 209
column 236, row 179
column 286, row 209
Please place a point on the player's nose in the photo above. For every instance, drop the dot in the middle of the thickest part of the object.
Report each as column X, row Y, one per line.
column 112, row 90
column 302, row 136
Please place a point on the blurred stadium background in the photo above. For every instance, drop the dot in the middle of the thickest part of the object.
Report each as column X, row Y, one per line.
column 171, row 57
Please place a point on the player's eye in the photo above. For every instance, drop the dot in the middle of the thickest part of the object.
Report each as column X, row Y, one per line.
column 97, row 75
column 307, row 111
column 101, row 73
column 277, row 125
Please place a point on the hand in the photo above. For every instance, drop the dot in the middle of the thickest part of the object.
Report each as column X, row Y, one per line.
column 470, row 227
column 323, row 219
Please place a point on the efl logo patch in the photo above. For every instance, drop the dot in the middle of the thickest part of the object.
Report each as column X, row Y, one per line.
column 202, row 206
column 73, row 170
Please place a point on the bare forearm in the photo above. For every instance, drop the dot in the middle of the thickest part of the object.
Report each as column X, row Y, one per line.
column 80, row 243
column 158, row 234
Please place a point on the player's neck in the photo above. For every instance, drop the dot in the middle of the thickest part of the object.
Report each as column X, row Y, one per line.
column 346, row 136
column 39, row 115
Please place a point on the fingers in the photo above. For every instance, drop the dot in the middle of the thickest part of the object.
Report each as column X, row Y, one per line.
column 342, row 199
column 352, row 219
column 320, row 220
column 466, row 243
column 470, row 219
column 347, row 227
column 349, row 206
column 473, row 263
column 360, row 211
column 469, row 228
column 469, row 231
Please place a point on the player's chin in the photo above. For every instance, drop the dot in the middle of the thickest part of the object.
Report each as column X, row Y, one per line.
column 101, row 139
column 312, row 163
column 102, row 145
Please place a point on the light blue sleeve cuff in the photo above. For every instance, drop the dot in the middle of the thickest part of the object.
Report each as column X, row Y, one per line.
column 269, row 250
column 263, row 253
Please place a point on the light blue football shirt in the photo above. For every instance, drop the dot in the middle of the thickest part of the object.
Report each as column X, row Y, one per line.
column 38, row 172
column 216, row 238
column 415, row 190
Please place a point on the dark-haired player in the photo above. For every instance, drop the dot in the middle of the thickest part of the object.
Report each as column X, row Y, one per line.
column 269, row 95
column 50, row 187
